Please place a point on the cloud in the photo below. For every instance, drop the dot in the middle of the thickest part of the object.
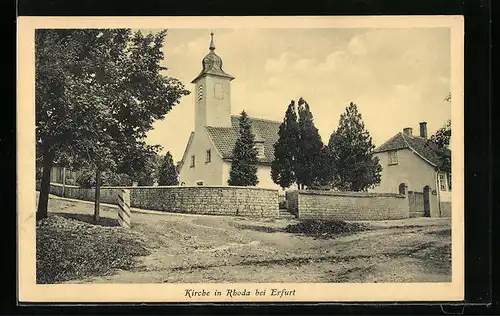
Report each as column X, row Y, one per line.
column 179, row 49
column 357, row 45
column 334, row 61
column 304, row 63
column 278, row 65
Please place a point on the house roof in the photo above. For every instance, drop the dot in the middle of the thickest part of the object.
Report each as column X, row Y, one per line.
column 421, row 146
column 265, row 131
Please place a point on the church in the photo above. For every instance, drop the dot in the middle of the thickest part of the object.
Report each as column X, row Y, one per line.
column 207, row 157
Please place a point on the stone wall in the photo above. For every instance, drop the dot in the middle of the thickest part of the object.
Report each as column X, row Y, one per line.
column 445, row 209
column 210, row 200
column 351, row 206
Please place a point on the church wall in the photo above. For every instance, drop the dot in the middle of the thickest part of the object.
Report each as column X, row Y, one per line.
column 208, row 200
column 263, row 174
column 218, row 100
column 208, row 172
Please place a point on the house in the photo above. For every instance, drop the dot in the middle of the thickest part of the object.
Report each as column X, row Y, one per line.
column 208, row 153
column 412, row 161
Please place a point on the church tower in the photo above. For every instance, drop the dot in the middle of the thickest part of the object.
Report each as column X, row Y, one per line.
column 212, row 93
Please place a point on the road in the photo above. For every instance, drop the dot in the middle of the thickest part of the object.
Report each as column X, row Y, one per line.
column 197, row 248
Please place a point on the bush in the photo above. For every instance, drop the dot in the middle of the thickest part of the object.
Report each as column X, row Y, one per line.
column 86, row 179
column 324, row 228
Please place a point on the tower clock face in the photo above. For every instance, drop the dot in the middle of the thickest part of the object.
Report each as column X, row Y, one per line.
column 200, row 93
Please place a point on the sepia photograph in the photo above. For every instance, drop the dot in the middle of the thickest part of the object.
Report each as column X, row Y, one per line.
column 230, row 159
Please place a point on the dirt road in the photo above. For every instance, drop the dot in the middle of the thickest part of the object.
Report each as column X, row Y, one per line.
column 196, row 248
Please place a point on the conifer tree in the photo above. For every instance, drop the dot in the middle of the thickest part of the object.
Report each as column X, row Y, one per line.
column 243, row 165
column 285, row 149
column 167, row 174
column 354, row 168
column 309, row 148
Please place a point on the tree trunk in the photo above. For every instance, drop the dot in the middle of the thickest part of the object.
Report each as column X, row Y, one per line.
column 97, row 194
column 64, row 182
column 43, row 201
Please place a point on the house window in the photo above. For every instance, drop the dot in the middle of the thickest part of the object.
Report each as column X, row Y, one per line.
column 260, row 150
column 209, row 156
column 192, row 161
column 449, row 181
column 442, row 182
column 393, row 157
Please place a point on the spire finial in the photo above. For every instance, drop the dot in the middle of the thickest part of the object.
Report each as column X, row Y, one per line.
column 212, row 45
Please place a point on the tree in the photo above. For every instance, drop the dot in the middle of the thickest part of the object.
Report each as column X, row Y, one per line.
column 285, row 149
column 243, row 170
column 97, row 92
column 354, row 167
column 167, row 174
column 440, row 141
column 308, row 160
column 442, row 136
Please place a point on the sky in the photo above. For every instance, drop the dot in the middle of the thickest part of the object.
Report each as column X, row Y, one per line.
column 397, row 77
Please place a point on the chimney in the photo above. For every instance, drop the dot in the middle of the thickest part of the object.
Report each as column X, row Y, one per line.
column 407, row 131
column 423, row 130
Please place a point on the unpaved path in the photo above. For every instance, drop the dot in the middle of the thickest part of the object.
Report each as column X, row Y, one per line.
column 201, row 249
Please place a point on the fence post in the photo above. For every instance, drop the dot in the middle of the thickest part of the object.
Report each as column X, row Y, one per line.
column 124, row 208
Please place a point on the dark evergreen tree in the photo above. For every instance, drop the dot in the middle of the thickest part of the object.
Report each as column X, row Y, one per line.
column 285, row 149
column 308, row 160
column 167, row 174
column 243, row 165
column 353, row 165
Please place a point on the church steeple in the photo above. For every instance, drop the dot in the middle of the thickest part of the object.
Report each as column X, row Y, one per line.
column 212, row 45
column 212, row 64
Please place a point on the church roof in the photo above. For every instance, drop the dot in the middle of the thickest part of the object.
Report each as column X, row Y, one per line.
column 212, row 64
column 421, row 146
column 265, row 131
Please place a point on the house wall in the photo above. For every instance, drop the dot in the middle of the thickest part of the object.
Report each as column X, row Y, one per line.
column 411, row 169
column 57, row 175
column 209, row 200
column 210, row 173
column 352, row 206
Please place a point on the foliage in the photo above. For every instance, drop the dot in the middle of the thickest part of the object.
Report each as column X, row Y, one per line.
column 353, row 166
column 441, row 144
column 309, row 158
column 442, row 136
column 285, row 149
column 325, row 228
column 98, row 91
column 167, row 174
column 86, row 179
column 243, row 170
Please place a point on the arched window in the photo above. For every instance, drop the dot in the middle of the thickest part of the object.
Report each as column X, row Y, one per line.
column 402, row 188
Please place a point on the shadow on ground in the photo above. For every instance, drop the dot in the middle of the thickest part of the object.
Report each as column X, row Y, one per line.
column 87, row 218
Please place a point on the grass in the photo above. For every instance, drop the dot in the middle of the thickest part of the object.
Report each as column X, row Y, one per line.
column 71, row 248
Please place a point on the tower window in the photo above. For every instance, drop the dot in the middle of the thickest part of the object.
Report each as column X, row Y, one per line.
column 209, row 156
column 192, row 161
column 200, row 93
column 219, row 91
